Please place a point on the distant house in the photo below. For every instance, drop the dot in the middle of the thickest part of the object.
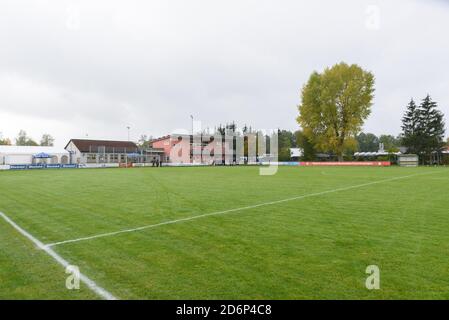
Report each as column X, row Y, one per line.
column 27, row 155
column 84, row 151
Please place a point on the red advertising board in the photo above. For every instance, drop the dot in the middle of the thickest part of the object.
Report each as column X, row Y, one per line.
column 348, row 164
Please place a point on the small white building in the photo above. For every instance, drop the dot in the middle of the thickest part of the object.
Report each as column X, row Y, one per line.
column 26, row 155
column 296, row 153
column 408, row 160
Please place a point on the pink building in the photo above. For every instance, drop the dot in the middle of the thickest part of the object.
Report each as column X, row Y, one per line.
column 176, row 148
column 201, row 149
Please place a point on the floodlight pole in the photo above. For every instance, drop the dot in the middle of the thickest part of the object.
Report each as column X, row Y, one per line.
column 191, row 145
column 129, row 128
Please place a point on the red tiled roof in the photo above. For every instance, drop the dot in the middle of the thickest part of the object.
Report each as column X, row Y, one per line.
column 85, row 145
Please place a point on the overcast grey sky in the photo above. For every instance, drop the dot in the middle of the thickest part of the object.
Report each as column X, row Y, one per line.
column 71, row 68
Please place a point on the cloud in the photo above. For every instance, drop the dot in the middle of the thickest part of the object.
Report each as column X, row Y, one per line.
column 77, row 67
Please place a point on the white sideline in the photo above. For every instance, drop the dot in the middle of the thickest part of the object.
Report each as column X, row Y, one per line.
column 90, row 283
column 231, row 210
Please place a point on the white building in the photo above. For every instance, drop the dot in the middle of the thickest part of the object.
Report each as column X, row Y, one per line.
column 17, row 155
column 84, row 151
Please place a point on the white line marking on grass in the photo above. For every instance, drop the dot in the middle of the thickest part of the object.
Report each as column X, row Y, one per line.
column 90, row 283
column 109, row 234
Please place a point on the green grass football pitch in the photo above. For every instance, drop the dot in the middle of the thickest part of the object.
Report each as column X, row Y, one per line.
column 316, row 244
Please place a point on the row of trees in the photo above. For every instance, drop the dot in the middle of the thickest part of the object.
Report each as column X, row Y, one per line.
column 288, row 139
column 365, row 142
column 23, row 139
column 369, row 142
column 336, row 103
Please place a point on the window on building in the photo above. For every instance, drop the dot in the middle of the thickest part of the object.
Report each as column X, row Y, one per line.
column 114, row 158
column 91, row 158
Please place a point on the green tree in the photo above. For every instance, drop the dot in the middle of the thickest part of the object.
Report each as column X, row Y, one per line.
column 391, row 144
column 335, row 105
column 144, row 142
column 47, row 140
column 306, row 145
column 423, row 129
column 286, row 140
column 432, row 131
column 410, row 128
column 23, row 140
column 4, row 141
column 221, row 130
column 367, row 142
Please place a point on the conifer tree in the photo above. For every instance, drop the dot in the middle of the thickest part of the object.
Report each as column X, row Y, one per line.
column 431, row 129
column 423, row 130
